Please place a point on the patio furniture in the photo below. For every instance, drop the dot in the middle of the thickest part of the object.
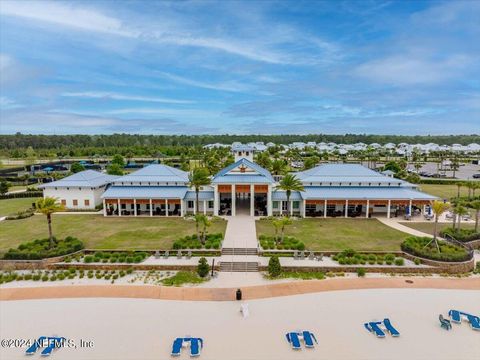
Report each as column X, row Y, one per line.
column 196, row 344
column 444, row 323
column 177, row 346
column 320, row 257
column 166, row 254
column 302, row 255
column 388, row 325
column 455, row 316
column 157, row 254
column 311, row 255
column 295, row 255
column 179, row 254
column 309, row 339
column 294, row 340
column 189, row 254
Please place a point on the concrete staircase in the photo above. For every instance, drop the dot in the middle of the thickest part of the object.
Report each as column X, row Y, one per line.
column 239, row 266
column 239, row 251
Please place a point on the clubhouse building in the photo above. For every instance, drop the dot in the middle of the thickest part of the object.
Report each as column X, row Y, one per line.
column 330, row 190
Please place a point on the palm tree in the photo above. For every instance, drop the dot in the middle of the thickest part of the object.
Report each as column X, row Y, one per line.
column 438, row 208
column 282, row 223
column 47, row 206
column 475, row 205
column 197, row 178
column 460, row 211
column 290, row 183
column 278, row 167
column 459, row 186
column 203, row 221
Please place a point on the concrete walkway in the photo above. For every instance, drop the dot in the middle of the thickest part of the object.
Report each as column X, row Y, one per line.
column 394, row 223
column 241, row 232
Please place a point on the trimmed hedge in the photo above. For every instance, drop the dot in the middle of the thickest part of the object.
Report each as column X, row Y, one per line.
column 40, row 249
column 212, row 241
column 116, row 257
column 417, row 246
column 21, row 214
column 25, row 194
column 289, row 243
column 463, row 235
column 351, row 257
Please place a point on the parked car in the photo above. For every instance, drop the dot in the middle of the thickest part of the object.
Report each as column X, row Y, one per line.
column 476, row 176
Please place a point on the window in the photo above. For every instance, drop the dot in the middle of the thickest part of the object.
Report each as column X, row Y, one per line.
column 284, row 205
column 210, row 204
column 64, row 202
column 190, row 204
column 148, row 207
column 132, row 207
column 275, row 204
column 75, row 202
column 87, row 202
column 123, row 206
column 296, row 204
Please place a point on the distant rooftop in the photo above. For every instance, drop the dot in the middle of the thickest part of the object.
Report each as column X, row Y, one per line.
column 86, row 178
column 155, row 173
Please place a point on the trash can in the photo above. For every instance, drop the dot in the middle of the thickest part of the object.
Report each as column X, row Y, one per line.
column 239, row 294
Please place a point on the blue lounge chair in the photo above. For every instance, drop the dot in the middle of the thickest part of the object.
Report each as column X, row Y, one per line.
column 294, row 340
column 390, row 328
column 195, row 345
column 309, row 338
column 177, row 346
column 455, row 316
column 34, row 347
column 376, row 329
column 474, row 321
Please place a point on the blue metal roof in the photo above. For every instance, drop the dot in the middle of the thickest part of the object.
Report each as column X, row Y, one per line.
column 155, row 173
column 86, row 178
column 242, row 179
column 261, row 172
column 280, row 195
column 372, row 193
column 145, row 192
column 202, row 195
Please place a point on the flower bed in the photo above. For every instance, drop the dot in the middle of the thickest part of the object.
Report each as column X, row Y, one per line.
column 212, row 241
column 40, row 249
column 289, row 243
column 448, row 252
column 351, row 257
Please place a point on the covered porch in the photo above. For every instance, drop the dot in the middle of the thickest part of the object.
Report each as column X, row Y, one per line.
column 247, row 199
column 142, row 207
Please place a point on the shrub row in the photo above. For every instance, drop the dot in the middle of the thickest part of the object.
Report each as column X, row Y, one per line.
column 212, row 241
column 116, row 257
column 448, row 252
column 21, row 214
column 289, row 243
column 463, row 235
column 40, row 249
column 351, row 257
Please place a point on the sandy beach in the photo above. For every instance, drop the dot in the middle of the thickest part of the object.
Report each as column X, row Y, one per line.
column 145, row 328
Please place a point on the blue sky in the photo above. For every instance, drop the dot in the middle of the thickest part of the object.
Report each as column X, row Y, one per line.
column 194, row 67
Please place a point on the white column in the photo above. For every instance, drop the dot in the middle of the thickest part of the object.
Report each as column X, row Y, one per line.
column 166, row 207
column 104, row 208
column 368, row 209
column 346, row 208
column 233, row 200
column 325, row 209
column 304, row 211
column 119, row 209
column 135, row 207
column 151, row 207
column 252, row 200
column 388, row 208
column 281, row 207
column 290, row 206
column 216, row 200
column 181, row 208
column 204, row 207
column 410, row 208
column 269, row 201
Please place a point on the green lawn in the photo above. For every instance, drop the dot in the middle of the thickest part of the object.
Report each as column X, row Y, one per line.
column 427, row 227
column 12, row 206
column 340, row 234
column 443, row 191
column 103, row 233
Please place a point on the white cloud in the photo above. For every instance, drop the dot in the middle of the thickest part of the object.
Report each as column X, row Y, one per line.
column 115, row 96
column 410, row 70
column 66, row 15
column 7, row 103
column 232, row 86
